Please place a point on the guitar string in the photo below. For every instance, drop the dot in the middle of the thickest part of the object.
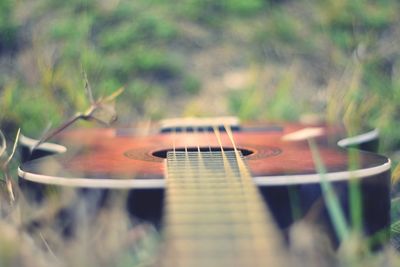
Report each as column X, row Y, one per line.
column 231, row 179
column 174, row 141
column 208, row 185
column 174, row 190
column 268, row 243
column 224, row 204
column 189, row 180
column 173, row 205
column 239, row 177
column 167, row 231
column 246, row 187
column 199, row 187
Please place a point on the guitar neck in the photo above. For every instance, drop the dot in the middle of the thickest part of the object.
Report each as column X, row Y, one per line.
column 214, row 215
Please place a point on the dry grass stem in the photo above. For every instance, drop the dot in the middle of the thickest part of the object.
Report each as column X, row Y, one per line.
column 5, row 164
column 101, row 110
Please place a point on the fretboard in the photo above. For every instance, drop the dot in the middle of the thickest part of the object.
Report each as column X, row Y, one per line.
column 214, row 214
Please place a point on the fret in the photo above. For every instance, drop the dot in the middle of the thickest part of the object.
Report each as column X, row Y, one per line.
column 214, row 214
column 215, row 218
column 201, row 208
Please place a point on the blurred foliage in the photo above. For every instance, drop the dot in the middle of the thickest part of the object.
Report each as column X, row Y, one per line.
column 333, row 57
column 8, row 27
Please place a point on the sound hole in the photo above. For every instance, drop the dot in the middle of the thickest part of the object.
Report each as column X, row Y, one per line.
column 163, row 153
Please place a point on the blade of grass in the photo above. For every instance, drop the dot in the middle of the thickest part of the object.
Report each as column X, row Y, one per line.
column 396, row 175
column 356, row 211
column 88, row 89
column 50, row 134
column 114, row 95
column 328, row 193
column 4, row 165
column 14, row 147
column 294, row 203
column 3, row 143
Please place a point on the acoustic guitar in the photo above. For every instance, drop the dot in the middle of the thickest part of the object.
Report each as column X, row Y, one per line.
column 219, row 191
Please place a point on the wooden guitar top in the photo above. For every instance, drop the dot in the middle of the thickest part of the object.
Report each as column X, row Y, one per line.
column 124, row 158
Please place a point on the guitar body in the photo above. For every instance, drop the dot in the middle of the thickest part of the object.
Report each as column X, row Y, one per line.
column 281, row 163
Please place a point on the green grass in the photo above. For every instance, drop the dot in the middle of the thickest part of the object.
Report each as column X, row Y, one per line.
column 337, row 59
column 333, row 206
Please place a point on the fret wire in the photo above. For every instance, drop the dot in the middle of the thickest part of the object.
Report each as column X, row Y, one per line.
column 212, row 212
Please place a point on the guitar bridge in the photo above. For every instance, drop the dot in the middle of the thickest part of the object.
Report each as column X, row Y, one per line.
column 199, row 124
